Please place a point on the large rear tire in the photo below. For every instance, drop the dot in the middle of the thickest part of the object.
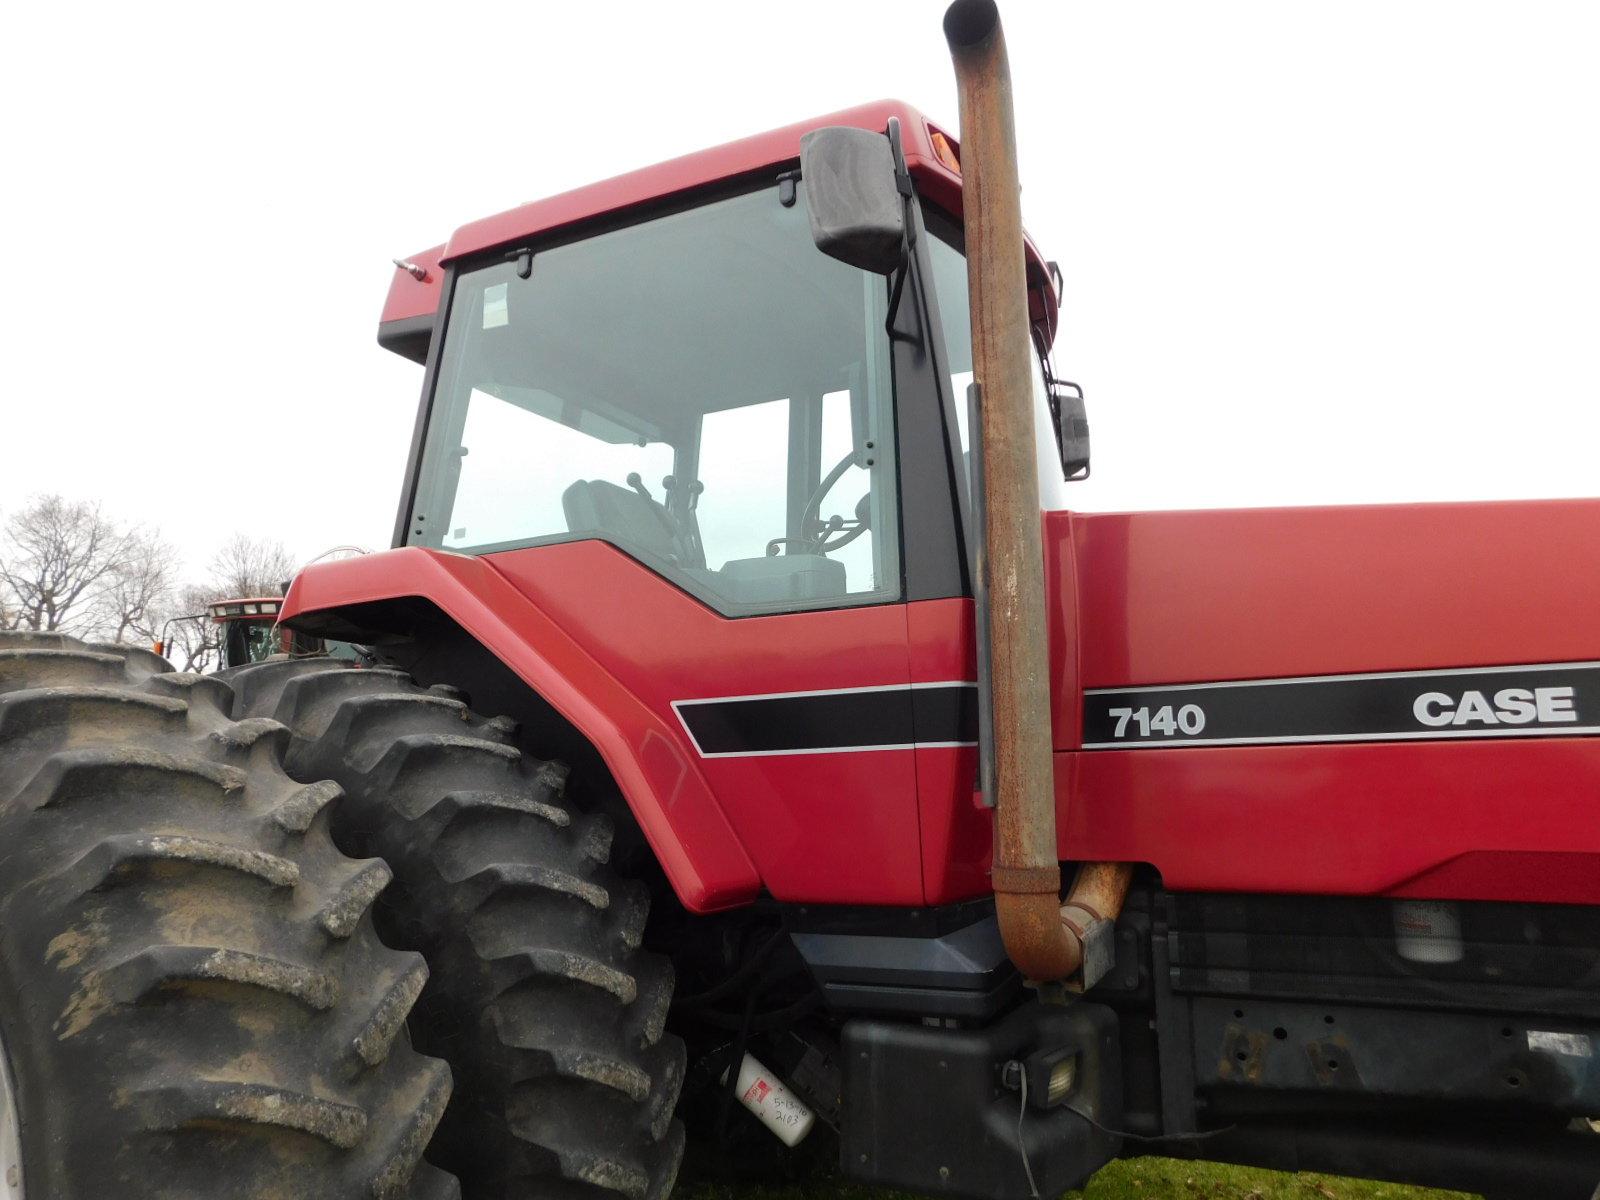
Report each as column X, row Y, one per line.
column 193, row 1001
column 540, row 998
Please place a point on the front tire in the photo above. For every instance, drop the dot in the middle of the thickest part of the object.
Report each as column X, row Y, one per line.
column 193, row 1001
column 540, row 997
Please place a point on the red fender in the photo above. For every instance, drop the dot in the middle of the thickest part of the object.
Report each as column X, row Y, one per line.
column 686, row 828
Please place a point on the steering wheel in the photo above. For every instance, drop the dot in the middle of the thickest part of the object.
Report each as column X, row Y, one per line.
column 836, row 531
column 814, row 505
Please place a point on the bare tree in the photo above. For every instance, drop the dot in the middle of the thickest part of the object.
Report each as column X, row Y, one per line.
column 65, row 565
column 57, row 562
column 191, row 639
column 249, row 566
column 140, row 593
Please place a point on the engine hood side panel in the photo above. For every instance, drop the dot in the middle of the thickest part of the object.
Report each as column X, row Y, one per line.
column 1466, row 810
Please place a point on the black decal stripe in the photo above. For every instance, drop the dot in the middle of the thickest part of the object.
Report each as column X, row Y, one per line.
column 945, row 715
column 1380, row 707
column 832, row 722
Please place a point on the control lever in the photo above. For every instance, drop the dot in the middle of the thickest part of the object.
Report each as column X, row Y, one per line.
column 685, row 548
column 681, row 502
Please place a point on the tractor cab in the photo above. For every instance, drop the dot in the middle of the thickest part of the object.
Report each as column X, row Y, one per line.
column 250, row 632
column 745, row 444
column 784, row 430
column 742, row 447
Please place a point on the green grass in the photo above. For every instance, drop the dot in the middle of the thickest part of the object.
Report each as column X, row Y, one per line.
column 1172, row 1179
column 1127, row 1179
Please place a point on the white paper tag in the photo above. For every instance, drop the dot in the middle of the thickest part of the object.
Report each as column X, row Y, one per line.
column 1573, row 1045
column 496, row 310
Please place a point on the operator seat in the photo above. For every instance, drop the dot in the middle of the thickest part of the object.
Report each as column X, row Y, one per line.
column 631, row 520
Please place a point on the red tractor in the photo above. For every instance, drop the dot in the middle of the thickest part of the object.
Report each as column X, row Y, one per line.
column 249, row 631
column 246, row 629
column 756, row 728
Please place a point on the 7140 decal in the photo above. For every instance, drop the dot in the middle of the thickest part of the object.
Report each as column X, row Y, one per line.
column 1188, row 718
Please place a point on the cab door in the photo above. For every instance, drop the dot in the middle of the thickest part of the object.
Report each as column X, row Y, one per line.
column 694, row 443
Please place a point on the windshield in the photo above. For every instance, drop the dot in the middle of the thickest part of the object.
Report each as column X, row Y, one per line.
column 704, row 390
column 245, row 642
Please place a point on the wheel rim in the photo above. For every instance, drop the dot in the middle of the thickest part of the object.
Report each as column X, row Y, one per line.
column 10, row 1134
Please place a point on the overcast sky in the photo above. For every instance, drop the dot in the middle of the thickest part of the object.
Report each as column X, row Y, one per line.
column 1313, row 253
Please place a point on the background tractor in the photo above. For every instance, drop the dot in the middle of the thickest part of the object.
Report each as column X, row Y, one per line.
column 246, row 628
column 247, row 631
column 753, row 728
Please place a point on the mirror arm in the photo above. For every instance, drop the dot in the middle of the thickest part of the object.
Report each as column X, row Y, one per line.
column 902, row 184
column 1053, row 390
column 1052, row 398
column 894, row 297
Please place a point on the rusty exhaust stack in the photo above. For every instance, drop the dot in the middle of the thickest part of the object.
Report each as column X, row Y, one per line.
column 1048, row 941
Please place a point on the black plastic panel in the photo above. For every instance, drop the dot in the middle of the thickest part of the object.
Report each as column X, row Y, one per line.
column 408, row 337
column 1528, row 958
column 925, row 1108
column 954, row 972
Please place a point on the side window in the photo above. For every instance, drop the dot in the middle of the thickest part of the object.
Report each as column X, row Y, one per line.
column 950, row 284
column 517, row 466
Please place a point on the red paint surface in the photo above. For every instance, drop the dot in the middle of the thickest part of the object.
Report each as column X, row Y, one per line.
column 412, row 297
column 1505, row 819
column 956, row 832
column 1181, row 597
column 819, row 827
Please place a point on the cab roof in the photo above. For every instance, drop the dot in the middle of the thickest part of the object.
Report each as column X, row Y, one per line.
column 415, row 289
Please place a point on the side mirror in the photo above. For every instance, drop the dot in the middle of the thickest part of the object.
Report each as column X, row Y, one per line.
column 1072, row 429
column 857, row 212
